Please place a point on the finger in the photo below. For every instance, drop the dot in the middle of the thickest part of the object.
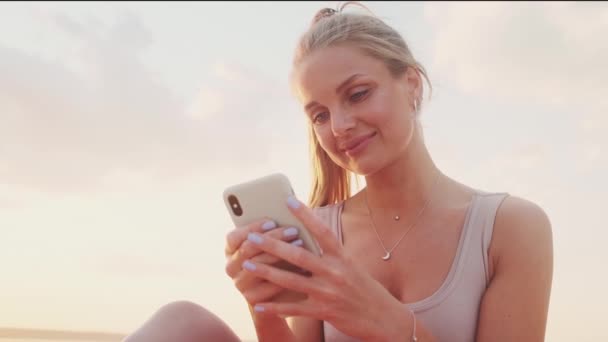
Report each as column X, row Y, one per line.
column 244, row 281
column 267, row 226
column 249, row 250
column 292, row 254
column 270, row 259
column 246, row 251
column 264, row 258
column 235, row 238
column 285, row 279
column 262, row 292
column 324, row 236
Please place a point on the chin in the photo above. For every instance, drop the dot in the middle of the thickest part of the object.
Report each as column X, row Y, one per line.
column 366, row 166
column 363, row 165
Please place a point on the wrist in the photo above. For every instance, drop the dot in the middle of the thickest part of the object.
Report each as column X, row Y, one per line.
column 271, row 327
column 261, row 320
column 399, row 325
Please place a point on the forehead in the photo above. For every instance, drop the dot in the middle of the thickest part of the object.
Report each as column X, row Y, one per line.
column 325, row 69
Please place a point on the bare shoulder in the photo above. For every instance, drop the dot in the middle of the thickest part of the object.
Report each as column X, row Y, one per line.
column 517, row 210
column 515, row 304
column 521, row 228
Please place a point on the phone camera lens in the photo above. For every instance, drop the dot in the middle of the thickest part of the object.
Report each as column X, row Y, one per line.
column 235, row 205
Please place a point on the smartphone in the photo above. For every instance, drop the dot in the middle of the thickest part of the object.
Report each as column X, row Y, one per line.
column 267, row 197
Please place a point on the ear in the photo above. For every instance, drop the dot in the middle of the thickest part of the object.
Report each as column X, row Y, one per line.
column 414, row 83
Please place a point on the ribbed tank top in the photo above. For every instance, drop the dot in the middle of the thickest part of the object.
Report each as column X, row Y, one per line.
column 451, row 313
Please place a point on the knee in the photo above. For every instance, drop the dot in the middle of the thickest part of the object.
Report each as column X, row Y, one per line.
column 185, row 312
column 182, row 320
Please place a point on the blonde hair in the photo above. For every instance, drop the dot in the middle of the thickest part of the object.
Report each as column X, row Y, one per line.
column 332, row 183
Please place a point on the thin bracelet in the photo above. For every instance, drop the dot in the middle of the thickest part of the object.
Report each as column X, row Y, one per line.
column 414, row 338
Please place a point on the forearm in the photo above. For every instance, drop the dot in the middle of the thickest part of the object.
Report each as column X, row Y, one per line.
column 271, row 328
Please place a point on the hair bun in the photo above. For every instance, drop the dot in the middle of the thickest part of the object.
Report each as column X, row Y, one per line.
column 328, row 12
column 323, row 13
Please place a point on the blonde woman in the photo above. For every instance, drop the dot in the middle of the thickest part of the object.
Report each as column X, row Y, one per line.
column 415, row 255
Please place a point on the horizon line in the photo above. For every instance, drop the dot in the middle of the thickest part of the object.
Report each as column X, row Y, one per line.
column 56, row 334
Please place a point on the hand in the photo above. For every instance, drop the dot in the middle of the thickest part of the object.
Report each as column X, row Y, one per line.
column 238, row 249
column 339, row 291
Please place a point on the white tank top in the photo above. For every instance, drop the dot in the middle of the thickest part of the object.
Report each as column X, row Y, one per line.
column 451, row 313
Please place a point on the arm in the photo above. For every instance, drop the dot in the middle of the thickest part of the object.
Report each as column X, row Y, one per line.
column 307, row 329
column 238, row 249
column 300, row 329
column 271, row 328
column 515, row 305
column 339, row 290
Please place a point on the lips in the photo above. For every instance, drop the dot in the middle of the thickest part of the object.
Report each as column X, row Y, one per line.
column 353, row 143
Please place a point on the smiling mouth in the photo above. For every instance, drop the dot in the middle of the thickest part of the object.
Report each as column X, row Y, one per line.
column 358, row 145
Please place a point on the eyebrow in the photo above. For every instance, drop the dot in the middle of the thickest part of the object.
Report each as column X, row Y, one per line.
column 338, row 89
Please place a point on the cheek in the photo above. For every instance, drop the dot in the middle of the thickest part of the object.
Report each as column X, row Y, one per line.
column 328, row 143
column 384, row 113
column 326, row 138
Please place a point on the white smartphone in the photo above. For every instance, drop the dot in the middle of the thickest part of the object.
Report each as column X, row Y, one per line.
column 267, row 197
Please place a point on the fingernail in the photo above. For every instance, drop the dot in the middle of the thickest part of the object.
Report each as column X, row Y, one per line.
column 292, row 231
column 268, row 225
column 298, row 242
column 255, row 238
column 258, row 308
column 293, row 202
column 249, row 265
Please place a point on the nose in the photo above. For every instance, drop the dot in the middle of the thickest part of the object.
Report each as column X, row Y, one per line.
column 342, row 122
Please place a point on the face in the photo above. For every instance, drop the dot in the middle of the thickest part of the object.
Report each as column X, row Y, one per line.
column 360, row 113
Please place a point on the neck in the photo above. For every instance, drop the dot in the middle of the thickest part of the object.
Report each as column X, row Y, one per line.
column 403, row 187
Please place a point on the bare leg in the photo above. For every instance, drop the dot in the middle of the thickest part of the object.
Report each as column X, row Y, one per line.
column 183, row 321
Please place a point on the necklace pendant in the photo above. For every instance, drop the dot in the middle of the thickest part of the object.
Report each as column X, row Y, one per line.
column 387, row 256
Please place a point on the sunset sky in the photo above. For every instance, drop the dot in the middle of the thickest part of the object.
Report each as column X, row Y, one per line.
column 122, row 122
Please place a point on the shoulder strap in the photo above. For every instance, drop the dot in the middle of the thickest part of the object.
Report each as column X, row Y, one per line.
column 330, row 216
column 488, row 207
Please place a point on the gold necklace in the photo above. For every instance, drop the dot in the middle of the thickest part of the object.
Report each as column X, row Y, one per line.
column 387, row 256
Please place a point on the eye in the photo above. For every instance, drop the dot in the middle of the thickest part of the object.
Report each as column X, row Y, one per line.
column 320, row 118
column 359, row 95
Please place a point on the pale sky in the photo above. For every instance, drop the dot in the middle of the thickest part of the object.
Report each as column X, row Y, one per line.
column 121, row 124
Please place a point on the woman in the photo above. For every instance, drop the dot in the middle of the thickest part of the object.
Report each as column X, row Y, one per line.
column 415, row 255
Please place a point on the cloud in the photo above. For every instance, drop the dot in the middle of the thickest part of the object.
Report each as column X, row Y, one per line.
column 96, row 113
column 541, row 54
column 538, row 51
column 238, row 100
